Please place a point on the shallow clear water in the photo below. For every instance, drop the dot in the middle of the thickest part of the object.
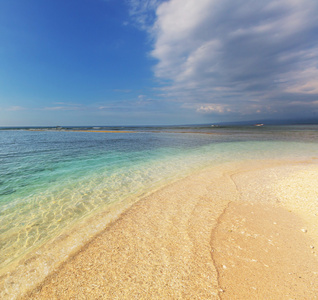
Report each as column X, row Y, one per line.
column 51, row 179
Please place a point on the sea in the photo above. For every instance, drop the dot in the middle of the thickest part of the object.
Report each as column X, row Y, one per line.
column 57, row 178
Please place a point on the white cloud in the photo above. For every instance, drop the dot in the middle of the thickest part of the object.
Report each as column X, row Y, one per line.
column 15, row 108
column 209, row 108
column 227, row 53
column 56, row 108
column 63, row 108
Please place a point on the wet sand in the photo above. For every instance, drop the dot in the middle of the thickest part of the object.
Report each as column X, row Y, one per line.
column 127, row 131
column 237, row 231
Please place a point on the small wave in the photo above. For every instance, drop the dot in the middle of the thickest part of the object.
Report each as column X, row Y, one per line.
column 7, row 192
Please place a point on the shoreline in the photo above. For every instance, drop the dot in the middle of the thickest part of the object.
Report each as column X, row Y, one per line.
column 163, row 245
column 127, row 131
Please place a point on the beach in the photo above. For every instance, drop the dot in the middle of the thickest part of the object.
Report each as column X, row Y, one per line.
column 159, row 149
column 237, row 231
column 159, row 215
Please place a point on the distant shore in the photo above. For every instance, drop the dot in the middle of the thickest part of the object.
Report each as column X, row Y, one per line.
column 123, row 131
column 245, row 230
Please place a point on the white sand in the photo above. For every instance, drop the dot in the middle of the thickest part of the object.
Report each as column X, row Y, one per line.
column 237, row 231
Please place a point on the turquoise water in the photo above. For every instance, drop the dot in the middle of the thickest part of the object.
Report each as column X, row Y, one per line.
column 49, row 180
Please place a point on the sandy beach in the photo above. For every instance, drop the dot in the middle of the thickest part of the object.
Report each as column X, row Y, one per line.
column 237, row 231
column 159, row 150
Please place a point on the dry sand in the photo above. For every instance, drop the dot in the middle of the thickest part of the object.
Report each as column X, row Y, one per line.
column 244, row 231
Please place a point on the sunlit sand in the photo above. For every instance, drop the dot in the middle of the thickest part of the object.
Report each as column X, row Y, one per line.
column 237, row 231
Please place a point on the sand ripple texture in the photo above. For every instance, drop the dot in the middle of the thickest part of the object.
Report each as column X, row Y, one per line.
column 265, row 245
column 225, row 233
column 159, row 249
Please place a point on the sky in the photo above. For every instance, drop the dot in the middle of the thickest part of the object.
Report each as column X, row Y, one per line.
column 157, row 62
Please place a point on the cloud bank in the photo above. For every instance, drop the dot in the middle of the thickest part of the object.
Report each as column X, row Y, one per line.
column 241, row 57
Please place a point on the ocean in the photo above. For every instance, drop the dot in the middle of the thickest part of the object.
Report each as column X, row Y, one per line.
column 53, row 180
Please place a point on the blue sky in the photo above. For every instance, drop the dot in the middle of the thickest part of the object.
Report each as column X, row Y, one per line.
column 133, row 62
